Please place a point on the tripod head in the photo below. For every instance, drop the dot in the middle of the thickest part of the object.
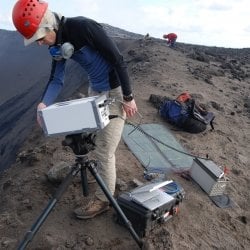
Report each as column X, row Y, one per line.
column 81, row 144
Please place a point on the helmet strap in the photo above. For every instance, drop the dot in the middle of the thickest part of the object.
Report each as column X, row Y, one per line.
column 61, row 51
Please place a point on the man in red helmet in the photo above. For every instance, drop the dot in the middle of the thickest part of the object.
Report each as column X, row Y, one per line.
column 84, row 41
column 171, row 39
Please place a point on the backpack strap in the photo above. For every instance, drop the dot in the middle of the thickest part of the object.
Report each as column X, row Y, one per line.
column 212, row 123
column 206, row 118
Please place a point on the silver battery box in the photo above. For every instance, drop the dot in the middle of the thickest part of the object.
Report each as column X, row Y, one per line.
column 209, row 176
column 75, row 116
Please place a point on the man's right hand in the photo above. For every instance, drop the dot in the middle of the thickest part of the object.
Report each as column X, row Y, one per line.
column 40, row 106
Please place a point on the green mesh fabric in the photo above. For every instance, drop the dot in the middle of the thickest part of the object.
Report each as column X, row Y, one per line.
column 154, row 156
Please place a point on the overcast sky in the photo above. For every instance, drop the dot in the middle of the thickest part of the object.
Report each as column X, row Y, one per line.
column 222, row 23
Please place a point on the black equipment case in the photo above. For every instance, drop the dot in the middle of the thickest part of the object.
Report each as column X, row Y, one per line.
column 144, row 219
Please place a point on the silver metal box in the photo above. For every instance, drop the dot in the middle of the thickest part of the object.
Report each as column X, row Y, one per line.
column 209, row 176
column 75, row 116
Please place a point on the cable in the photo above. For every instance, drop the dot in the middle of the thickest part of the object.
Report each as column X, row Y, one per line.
column 137, row 127
column 171, row 188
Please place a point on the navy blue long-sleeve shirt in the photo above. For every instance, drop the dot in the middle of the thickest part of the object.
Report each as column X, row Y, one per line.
column 95, row 52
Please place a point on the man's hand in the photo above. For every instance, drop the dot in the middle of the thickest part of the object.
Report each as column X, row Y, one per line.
column 40, row 106
column 130, row 108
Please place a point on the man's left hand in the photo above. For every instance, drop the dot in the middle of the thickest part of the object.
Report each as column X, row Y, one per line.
column 130, row 108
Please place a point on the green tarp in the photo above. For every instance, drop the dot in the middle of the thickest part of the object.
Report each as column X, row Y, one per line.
column 153, row 155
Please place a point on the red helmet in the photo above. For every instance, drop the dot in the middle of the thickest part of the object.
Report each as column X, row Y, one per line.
column 27, row 15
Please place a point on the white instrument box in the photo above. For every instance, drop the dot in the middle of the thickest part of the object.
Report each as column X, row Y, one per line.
column 209, row 176
column 75, row 116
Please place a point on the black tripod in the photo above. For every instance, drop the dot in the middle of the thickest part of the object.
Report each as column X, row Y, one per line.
column 81, row 144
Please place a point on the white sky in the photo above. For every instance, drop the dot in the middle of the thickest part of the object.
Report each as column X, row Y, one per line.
column 221, row 23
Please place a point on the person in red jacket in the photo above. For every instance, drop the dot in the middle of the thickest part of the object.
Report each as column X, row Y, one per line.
column 171, row 39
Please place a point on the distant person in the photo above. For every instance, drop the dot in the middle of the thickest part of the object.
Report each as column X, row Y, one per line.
column 171, row 39
column 146, row 37
column 84, row 41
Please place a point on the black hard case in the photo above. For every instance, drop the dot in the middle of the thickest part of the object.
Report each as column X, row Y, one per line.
column 142, row 219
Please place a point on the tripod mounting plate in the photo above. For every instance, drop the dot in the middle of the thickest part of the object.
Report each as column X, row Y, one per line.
column 81, row 144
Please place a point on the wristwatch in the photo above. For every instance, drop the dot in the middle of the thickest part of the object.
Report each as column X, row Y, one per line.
column 128, row 98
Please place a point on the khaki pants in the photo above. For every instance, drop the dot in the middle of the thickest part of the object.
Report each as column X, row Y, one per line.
column 107, row 141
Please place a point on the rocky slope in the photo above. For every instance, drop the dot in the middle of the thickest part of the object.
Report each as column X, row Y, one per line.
column 219, row 79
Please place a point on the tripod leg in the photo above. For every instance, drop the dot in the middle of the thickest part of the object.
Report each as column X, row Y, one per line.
column 84, row 179
column 30, row 234
column 92, row 168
